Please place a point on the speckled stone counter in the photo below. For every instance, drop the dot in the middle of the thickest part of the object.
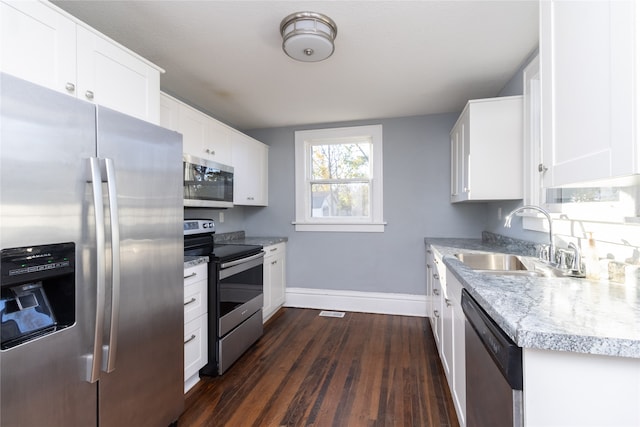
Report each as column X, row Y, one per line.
column 552, row 313
column 239, row 238
column 192, row 261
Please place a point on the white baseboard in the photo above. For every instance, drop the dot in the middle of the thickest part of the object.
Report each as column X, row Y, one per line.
column 364, row 302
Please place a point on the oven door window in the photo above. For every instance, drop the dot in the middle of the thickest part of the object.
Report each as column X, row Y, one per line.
column 240, row 288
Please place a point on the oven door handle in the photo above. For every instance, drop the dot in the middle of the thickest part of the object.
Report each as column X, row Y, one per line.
column 241, row 261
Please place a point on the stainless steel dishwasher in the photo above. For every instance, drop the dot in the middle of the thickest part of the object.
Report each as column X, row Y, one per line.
column 493, row 371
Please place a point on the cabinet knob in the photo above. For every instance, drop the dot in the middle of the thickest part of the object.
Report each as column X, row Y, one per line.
column 89, row 94
column 542, row 168
column 70, row 87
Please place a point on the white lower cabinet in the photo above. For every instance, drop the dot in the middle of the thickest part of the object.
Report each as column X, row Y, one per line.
column 274, row 279
column 457, row 382
column 195, row 323
column 447, row 322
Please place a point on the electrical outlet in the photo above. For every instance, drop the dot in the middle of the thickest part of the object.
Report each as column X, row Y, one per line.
column 221, row 217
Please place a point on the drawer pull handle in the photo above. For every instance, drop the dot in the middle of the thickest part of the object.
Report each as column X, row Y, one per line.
column 448, row 301
column 190, row 301
column 191, row 275
column 191, row 338
column 273, row 250
column 436, row 292
column 436, row 313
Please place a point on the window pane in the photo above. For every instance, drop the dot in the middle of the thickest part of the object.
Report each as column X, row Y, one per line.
column 581, row 195
column 340, row 200
column 340, row 161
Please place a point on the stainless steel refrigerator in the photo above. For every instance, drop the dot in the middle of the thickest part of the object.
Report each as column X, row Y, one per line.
column 92, row 260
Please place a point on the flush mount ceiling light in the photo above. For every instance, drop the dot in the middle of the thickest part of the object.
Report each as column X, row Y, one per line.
column 308, row 36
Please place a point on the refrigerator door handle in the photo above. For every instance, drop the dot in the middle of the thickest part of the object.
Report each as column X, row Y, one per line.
column 109, row 359
column 94, row 360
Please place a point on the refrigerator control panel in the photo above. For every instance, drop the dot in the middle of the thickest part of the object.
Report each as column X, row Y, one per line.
column 37, row 292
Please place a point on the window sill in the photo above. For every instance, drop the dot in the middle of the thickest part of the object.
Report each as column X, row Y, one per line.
column 341, row 227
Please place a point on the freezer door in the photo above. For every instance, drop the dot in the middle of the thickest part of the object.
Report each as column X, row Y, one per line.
column 144, row 386
column 46, row 138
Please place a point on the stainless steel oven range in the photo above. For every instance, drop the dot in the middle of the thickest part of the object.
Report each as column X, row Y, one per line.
column 235, row 294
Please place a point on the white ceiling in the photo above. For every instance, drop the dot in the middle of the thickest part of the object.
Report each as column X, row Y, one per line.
column 392, row 58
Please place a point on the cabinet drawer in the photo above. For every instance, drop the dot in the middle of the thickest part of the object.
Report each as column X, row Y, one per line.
column 195, row 346
column 195, row 300
column 274, row 250
column 195, row 274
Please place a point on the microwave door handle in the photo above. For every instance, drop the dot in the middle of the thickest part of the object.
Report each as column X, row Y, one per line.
column 94, row 359
column 110, row 350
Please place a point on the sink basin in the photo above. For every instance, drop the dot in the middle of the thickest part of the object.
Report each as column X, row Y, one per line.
column 507, row 264
column 492, row 262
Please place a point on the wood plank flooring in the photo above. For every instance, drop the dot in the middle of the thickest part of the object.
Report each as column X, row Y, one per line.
column 362, row 370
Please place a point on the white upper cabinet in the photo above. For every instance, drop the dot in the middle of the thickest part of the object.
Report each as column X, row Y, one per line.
column 589, row 94
column 486, row 151
column 38, row 45
column 250, row 177
column 44, row 45
column 202, row 135
column 109, row 75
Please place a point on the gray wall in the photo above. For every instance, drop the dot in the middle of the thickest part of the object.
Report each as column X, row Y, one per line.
column 416, row 205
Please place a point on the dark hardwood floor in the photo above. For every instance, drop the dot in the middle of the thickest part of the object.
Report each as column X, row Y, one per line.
column 361, row 370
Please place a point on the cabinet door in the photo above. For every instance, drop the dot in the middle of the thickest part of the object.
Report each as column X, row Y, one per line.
column 274, row 280
column 38, row 44
column 218, row 145
column 458, row 360
column 586, row 60
column 195, row 346
column 429, row 286
column 460, row 158
column 250, row 162
column 277, row 270
column 111, row 76
column 193, row 126
column 169, row 111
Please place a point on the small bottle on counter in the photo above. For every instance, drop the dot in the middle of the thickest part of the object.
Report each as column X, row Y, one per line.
column 591, row 259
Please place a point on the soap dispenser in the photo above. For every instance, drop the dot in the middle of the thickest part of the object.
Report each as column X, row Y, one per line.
column 592, row 261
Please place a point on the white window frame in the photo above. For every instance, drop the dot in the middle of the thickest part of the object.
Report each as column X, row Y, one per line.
column 304, row 140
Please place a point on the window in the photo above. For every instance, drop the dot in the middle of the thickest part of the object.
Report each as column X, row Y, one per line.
column 339, row 179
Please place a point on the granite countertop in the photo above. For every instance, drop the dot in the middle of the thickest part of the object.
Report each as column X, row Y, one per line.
column 239, row 238
column 192, row 261
column 552, row 313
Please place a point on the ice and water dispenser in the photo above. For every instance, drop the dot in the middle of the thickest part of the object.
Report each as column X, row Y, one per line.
column 37, row 292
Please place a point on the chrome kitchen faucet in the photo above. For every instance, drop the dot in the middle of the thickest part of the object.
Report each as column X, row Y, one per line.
column 552, row 250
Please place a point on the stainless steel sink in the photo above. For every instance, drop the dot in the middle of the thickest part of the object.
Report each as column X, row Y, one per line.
column 507, row 265
column 491, row 261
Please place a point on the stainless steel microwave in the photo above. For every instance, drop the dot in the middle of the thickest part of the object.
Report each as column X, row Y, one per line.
column 206, row 183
